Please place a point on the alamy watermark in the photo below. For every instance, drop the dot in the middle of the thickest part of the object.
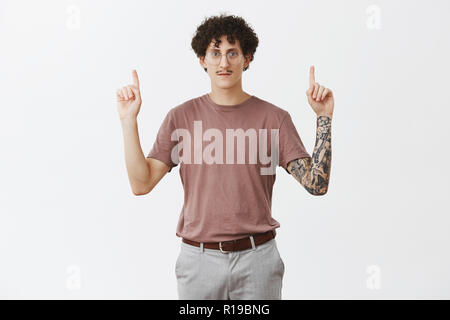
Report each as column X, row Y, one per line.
column 373, row 281
column 231, row 135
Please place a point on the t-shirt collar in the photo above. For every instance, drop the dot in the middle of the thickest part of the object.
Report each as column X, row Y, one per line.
column 222, row 107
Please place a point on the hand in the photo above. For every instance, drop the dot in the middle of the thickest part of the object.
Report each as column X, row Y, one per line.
column 319, row 98
column 129, row 99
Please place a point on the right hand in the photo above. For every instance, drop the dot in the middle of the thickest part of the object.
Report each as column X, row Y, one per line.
column 129, row 99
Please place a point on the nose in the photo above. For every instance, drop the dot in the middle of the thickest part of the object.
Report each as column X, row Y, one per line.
column 223, row 61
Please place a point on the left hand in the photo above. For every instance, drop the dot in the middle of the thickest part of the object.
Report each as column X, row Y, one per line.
column 319, row 98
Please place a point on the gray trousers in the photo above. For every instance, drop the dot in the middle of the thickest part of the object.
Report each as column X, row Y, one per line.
column 255, row 273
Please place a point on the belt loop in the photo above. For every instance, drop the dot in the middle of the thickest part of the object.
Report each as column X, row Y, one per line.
column 253, row 242
column 201, row 247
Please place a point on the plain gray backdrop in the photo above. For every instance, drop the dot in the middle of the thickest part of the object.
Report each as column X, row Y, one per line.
column 70, row 226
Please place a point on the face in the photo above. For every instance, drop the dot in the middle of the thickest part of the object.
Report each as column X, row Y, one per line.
column 224, row 66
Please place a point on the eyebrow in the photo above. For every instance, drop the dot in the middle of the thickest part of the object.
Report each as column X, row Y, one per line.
column 217, row 49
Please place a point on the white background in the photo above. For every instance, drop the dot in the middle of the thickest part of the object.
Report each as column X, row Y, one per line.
column 70, row 226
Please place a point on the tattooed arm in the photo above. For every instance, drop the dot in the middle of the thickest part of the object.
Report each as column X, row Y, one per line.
column 314, row 173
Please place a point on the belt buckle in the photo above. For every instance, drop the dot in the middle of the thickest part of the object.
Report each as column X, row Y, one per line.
column 220, row 247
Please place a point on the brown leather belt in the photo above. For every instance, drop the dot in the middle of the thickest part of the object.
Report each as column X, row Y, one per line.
column 235, row 245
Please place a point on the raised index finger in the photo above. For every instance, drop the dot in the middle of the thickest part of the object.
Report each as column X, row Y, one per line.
column 311, row 76
column 135, row 77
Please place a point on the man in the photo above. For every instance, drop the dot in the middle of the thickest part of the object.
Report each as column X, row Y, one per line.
column 228, row 247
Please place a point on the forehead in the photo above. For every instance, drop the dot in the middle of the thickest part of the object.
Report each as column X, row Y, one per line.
column 224, row 44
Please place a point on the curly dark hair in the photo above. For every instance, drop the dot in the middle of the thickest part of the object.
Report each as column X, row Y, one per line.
column 233, row 27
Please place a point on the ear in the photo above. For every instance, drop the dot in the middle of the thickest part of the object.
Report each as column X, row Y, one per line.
column 202, row 62
column 247, row 60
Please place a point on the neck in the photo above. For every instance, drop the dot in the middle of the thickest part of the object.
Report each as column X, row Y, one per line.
column 228, row 96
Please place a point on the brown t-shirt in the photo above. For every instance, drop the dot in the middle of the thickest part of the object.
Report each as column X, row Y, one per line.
column 223, row 152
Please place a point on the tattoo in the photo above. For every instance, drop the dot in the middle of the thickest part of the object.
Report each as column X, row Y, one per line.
column 314, row 173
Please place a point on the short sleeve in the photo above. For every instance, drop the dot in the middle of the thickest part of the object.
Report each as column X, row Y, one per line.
column 163, row 145
column 290, row 144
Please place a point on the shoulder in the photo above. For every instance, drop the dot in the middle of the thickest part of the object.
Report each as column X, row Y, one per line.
column 186, row 106
column 272, row 109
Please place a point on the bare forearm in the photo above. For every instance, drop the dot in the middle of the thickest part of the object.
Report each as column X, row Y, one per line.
column 137, row 167
column 314, row 173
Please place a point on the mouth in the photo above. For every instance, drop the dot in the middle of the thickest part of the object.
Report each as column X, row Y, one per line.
column 224, row 74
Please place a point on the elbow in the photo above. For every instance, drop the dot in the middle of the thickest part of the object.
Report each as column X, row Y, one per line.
column 140, row 189
column 317, row 191
column 143, row 189
column 140, row 192
column 318, row 186
column 322, row 191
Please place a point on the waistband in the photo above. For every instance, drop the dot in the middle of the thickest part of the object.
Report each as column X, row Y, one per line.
column 236, row 245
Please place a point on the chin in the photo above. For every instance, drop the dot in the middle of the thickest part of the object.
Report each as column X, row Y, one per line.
column 226, row 85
